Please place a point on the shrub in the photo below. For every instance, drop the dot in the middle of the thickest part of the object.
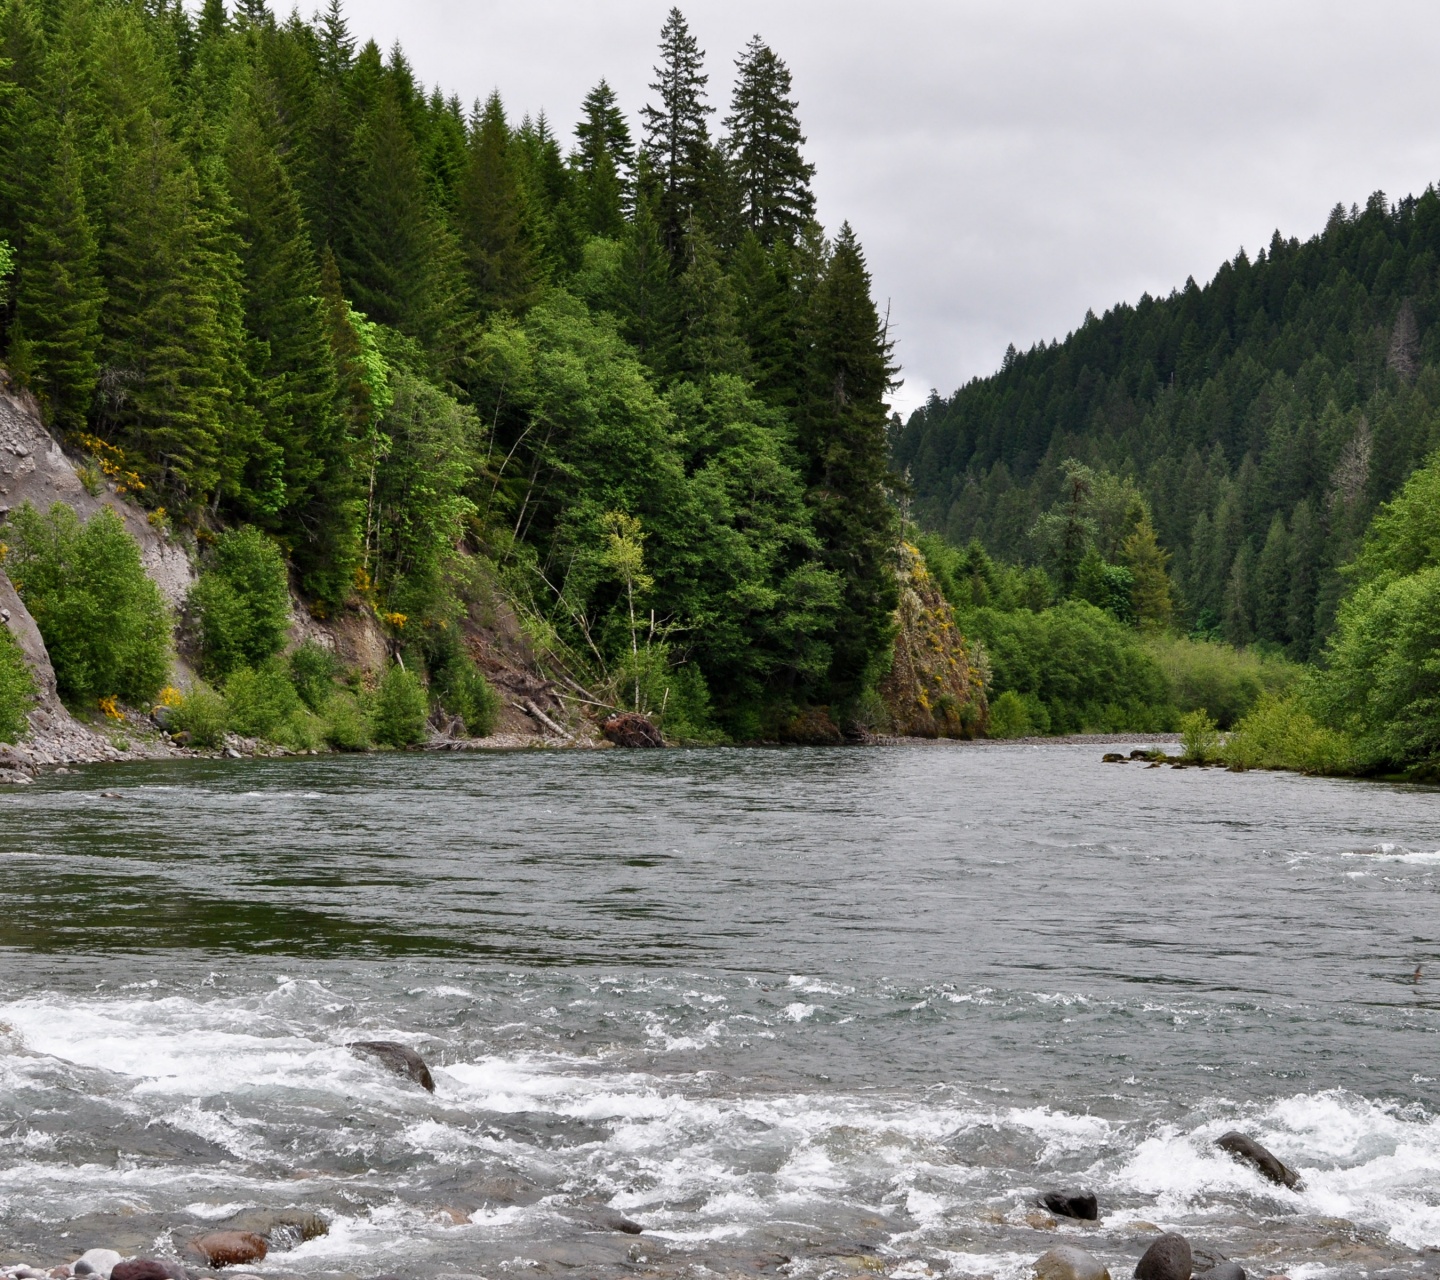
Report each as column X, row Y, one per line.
column 459, row 687
column 263, row 704
column 17, row 688
column 1280, row 733
column 1226, row 682
column 1079, row 666
column 241, row 603
column 104, row 622
column 312, row 671
column 1009, row 716
column 1199, row 737
column 1382, row 680
column 401, row 709
column 204, row 716
column 345, row 726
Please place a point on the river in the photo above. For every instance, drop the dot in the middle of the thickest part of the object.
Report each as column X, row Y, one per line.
column 796, row 1012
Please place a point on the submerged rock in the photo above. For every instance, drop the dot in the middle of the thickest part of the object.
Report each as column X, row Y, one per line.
column 1073, row 1204
column 1250, row 1152
column 632, row 730
column 1222, row 1271
column 397, row 1058
column 228, row 1248
column 1069, row 1263
column 1169, row 1258
column 282, row 1228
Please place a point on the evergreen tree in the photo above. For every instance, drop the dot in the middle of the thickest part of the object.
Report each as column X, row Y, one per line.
column 165, row 344
column 57, row 332
column 677, row 138
column 764, row 140
column 491, row 216
column 765, row 315
column 642, row 294
column 1146, row 560
column 845, row 449
column 289, row 355
column 1307, row 539
column 1272, row 584
column 710, row 342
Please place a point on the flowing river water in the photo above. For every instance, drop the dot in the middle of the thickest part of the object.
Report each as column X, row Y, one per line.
column 797, row 1012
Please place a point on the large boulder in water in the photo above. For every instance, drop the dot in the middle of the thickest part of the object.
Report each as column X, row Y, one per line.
column 1226, row 1270
column 228, row 1248
column 1069, row 1263
column 1168, row 1258
column 282, row 1228
column 1072, row 1204
column 628, row 729
column 397, row 1058
column 1250, row 1152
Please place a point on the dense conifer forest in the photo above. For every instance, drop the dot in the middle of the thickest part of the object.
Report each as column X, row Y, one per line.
column 1263, row 418
column 269, row 281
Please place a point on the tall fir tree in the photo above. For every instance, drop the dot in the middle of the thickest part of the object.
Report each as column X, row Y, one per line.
column 764, row 141
column 289, row 354
column 845, row 447
column 56, row 339
column 490, row 214
column 677, row 137
column 642, row 294
column 765, row 314
column 602, row 163
column 710, row 341
column 166, row 345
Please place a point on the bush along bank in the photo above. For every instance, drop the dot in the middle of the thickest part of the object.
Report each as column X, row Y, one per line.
column 111, row 643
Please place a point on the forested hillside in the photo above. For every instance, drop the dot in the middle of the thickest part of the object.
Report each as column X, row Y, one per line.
column 263, row 277
column 1262, row 418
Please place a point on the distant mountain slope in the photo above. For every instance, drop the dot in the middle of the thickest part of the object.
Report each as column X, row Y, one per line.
column 1264, row 416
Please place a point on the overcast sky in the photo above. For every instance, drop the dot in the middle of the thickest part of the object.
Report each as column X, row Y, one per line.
column 1008, row 165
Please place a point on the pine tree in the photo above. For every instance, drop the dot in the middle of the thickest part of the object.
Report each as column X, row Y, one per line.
column 1272, row 584
column 490, row 214
column 58, row 300
column 845, row 447
column 602, row 164
column 289, row 355
column 166, row 346
column 385, row 256
column 328, row 171
column 677, row 138
column 710, row 342
column 765, row 316
column 1307, row 538
column 1150, row 597
column 764, row 140
column 642, row 294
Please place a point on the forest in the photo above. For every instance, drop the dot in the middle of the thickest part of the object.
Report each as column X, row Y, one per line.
column 275, row 288
column 1240, row 476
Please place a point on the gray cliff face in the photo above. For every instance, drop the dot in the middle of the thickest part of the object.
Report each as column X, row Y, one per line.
column 35, row 469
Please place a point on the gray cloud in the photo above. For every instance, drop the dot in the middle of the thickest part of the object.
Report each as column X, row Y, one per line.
column 1009, row 165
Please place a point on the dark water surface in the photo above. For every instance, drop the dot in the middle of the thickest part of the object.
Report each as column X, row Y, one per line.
column 799, row 1013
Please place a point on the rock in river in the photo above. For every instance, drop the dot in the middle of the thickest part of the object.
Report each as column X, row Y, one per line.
column 228, row 1248
column 1072, row 1204
column 399, row 1059
column 1069, row 1263
column 1169, row 1258
column 97, row 1262
column 147, row 1269
column 1226, row 1270
column 282, row 1228
column 1250, row 1152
